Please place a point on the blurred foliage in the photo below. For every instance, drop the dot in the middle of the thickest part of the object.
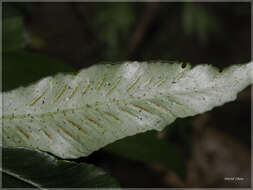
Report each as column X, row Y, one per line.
column 199, row 22
column 146, row 147
column 179, row 131
column 13, row 33
column 10, row 11
column 21, row 68
column 114, row 21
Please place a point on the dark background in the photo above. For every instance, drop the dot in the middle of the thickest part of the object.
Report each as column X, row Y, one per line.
column 210, row 146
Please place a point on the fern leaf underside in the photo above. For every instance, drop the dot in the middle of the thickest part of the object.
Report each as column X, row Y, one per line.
column 74, row 115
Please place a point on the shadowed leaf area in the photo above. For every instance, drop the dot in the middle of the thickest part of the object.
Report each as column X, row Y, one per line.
column 146, row 147
column 21, row 68
column 26, row 168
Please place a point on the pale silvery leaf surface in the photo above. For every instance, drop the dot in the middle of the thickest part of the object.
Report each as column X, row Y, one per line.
column 74, row 115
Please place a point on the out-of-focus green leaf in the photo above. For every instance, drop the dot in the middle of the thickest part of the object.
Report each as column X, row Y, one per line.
column 25, row 168
column 36, row 42
column 115, row 28
column 179, row 130
column 13, row 33
column 199, row 21
column 146, row 147
column 21, row 68
column 10, row 11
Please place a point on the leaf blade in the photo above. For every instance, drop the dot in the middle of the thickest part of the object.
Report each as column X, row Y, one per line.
column 13, row 34
column 21, row 67
column 41, row 170
column 56, row 115
column 147, row 148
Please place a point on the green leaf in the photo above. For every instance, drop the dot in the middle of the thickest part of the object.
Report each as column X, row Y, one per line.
column 146, row 147
column 200, row 21
column 9, row 10
column 74, row 115
column 26, row 168
column 13, row 33
column 116, row 29
column 22, row 68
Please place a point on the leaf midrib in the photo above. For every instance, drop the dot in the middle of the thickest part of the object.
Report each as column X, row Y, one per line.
column 10, row 116
column 21, row 178
column 95, row 104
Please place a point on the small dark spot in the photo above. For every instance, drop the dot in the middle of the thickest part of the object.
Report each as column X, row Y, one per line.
column 43, row 102
column 183, row 65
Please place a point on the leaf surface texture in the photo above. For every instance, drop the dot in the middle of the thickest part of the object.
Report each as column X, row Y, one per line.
column 74, row 115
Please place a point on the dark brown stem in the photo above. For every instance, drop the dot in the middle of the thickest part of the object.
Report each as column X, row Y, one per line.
column 139, row 34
